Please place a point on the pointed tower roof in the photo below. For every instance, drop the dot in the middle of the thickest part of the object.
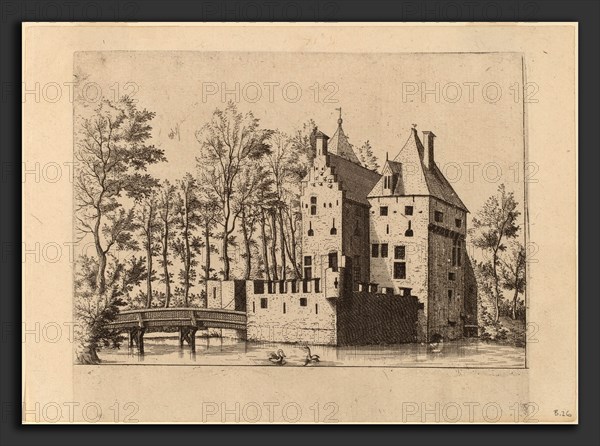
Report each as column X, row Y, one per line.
column 339, row 144
column 414, row 178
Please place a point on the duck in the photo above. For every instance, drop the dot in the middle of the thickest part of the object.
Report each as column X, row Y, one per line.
column 310, row 358
column 437, row 343
column 277, row 357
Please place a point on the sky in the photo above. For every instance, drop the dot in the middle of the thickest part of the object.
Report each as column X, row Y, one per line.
column 470, row 101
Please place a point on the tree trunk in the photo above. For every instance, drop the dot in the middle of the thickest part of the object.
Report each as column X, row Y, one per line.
column 273, row 226
column 149, row 268
column 264, row 245
column 293, row 255
column 283, row 246
column 225, row 249
column 514, row 305
column 165, row 256
column 497, row 288
column 187, row 255
column 206, row 259
column 246, row 246
column 100, row 277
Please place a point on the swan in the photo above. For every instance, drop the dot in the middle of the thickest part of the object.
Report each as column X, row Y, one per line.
column 310, row 357
column 277, row 357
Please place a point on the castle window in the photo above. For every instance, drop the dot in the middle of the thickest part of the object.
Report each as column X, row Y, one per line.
column 356, row 269
column 282, row 287
column 456, row 252
column 384, row 250
column 383, row 211
column 386, row 182
column 408, row 210
column 214, row 292
column 438, row 216
column 375, row 250
column 263, row 302
column 333, row 230
column 313, row 205
column 333, row 261
column 387, row 229
column 284, row 308
column 303, row 301
column 316, row 308
column 307, row 267
column 294, row 286
column 409, row 231
column 259, row 287
column 399, row 270
column 451, row 276
column 450, row 293
column 317, row 285
column 310, row 229
column 329, row 204
column 253, row 307
column 458, row 222
column 357, row 231
column 399, row 252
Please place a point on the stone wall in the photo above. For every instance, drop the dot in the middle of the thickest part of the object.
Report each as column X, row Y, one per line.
column 368, row 318
column 296, row 311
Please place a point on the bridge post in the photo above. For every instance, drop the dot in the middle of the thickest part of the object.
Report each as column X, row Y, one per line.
column 130, row 332
column 181, row 337
column 140, row 340
column 192, row 334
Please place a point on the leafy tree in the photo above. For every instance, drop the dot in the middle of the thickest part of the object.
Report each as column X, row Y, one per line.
column 187, row 246
column 495, row 225
column 95, row 309
column 112, row 152
column 228, row 144
column 146, row 216
column 367, row 157
column 167, row 218
column 513, row 274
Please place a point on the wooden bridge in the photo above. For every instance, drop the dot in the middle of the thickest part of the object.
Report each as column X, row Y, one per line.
column 186, row 320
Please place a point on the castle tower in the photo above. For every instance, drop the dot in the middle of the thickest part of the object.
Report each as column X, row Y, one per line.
column 417, row 234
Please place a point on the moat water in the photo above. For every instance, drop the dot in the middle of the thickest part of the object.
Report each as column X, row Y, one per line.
column 164, row 350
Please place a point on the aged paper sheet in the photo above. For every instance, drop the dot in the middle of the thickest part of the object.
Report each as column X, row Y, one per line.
column 299, row 223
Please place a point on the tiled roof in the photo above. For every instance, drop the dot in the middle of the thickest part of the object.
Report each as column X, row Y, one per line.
column 356, row 180
column 339, row 145
column 415, row 178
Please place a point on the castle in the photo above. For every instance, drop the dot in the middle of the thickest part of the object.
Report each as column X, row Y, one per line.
column 383, row 255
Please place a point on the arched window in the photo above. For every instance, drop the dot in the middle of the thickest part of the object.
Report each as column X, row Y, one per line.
column 310, row 229
column 313, row 205
column 333, row 230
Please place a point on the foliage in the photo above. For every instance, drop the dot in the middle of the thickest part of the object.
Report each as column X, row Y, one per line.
column 494, row 226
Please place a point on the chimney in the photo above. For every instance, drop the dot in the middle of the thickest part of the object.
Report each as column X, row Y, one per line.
column 428, row 158
column 321, row 143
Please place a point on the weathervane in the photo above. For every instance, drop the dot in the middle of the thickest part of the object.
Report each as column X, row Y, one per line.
column 340, row 118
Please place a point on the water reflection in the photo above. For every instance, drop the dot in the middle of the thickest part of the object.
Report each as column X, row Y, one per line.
column 165, row 350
